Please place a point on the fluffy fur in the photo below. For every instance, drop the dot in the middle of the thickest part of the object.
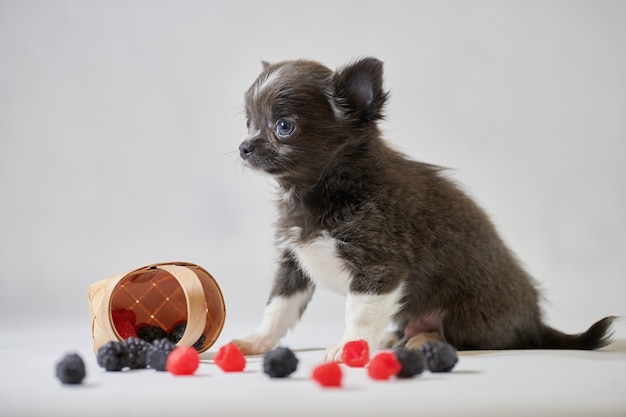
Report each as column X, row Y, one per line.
column 399, row 239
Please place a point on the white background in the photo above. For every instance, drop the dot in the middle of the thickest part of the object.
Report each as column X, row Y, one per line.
column 120, row 121
column 119, row 128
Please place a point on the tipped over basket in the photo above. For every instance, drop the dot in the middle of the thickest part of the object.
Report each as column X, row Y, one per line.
column 163, row 295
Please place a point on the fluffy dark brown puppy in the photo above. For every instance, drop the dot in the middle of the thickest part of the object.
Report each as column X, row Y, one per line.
column 402, row 242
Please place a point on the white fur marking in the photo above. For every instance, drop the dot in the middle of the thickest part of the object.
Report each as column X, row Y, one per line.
column 280, row 315
column 320, row 260
column 253, row 133
column 267, row 81
column 367, row 315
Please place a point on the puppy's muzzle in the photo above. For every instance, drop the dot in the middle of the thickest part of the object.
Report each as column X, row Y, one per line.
column 245, row 149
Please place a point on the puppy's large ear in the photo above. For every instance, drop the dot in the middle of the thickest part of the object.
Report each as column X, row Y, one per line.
column 265, row 64
column 358, row 90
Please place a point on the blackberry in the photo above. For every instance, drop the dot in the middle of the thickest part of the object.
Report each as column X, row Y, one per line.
column 137, row 352
column 280, row 362
column 71, row 369
column 199, row 343
column 440, row 356
column 157, row 359
column 177, row 333
column 158, row 353
column 412, row 362
column 151, row 333
column 113, row 356
column 163, row 344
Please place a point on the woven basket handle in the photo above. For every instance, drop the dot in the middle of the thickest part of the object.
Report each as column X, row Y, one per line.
column 196, row 303
column 100, row 293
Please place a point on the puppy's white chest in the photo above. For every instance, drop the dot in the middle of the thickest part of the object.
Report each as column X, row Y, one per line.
column 321, row 261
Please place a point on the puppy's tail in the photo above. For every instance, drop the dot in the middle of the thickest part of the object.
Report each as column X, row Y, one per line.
column 597, row 336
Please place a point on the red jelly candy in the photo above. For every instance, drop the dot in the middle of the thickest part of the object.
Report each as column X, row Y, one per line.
column 183, row 360
column 328, row 374
column 230, row 359
column 383, row 366
column 356, row 353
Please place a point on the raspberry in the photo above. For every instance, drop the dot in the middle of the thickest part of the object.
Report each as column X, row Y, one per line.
column 183, row 360
column 150, row 333
column 113, row 356
column 356, row 353
column 124, row 322
column 280, row 362
column 137, row 352
column 383, row 366
column 440, row 356
column 328, row 374
column 125, row 329
column 120, row 314
column 230, row 359
column 411, row 362
column 71, row 369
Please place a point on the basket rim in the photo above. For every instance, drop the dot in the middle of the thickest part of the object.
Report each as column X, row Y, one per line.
column 195, row 282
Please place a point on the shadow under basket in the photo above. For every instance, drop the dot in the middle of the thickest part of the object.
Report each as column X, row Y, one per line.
column 163, row 295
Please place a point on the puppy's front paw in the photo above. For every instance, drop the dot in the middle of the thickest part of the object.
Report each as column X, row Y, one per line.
column 391, row 339
column 333, row 354
column 253, row 345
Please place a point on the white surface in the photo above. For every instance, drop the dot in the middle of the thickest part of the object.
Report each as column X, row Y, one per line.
column 502, row 383
column 119, row 127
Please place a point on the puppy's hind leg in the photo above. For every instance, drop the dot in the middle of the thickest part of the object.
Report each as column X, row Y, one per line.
column 420, row 339
column 427, row 328
column 290, row 295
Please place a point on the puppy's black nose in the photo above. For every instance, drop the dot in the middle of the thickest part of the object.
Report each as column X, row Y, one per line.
column 245, row 149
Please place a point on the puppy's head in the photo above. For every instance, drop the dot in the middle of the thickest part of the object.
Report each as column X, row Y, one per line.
column 302, row 116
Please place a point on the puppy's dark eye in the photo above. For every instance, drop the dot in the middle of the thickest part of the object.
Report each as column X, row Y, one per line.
column 247, row 123
column 284, row 128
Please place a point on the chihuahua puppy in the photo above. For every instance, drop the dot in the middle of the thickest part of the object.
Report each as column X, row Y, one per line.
column 400, row 240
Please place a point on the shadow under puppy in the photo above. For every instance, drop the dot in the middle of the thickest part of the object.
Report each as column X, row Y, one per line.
column 402, row 242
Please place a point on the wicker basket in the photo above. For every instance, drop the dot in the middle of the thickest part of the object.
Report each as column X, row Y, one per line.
column 162, row 295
